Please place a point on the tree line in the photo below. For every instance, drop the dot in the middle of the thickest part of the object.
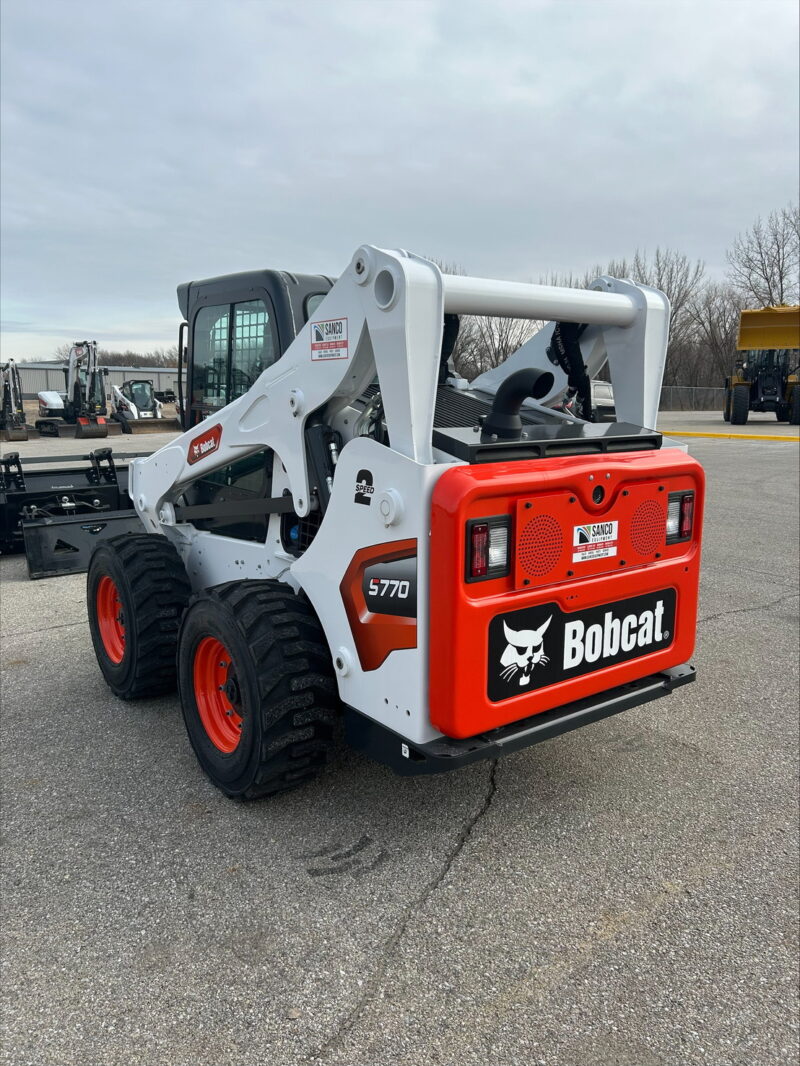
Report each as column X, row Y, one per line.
column 158, row 357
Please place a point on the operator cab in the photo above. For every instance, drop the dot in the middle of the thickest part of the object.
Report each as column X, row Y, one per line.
column 139, row 392
column 236, row 326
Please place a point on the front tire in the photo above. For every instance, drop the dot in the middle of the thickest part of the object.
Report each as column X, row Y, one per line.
column 257, row 686
column 136, row 591
column 794, row 410
column 726, row 405
column 740, row 405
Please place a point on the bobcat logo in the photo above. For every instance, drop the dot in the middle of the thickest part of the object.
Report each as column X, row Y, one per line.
column 524, row 652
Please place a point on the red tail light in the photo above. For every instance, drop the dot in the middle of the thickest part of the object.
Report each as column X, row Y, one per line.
column 680, row 517
column 687, row 515
column 479, row 550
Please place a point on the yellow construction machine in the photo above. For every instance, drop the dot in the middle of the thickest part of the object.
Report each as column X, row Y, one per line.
column 765, row 376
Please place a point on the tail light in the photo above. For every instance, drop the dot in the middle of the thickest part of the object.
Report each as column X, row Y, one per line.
column 488, row 548
column 479, row 553
column 680, row 516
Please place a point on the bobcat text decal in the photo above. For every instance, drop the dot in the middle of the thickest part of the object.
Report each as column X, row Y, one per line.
column 522, row 660
column 204, row 444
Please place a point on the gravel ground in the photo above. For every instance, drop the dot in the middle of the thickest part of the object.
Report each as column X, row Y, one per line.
column 622, row 896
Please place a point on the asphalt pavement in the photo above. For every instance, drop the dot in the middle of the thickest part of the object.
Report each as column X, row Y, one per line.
column 625, row 895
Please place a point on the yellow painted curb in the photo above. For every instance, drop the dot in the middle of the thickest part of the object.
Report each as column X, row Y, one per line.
column 726, row 436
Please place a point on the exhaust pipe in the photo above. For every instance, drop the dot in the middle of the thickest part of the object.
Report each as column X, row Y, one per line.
column 503, row 421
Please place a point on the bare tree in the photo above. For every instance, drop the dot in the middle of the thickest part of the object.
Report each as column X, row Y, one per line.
column 485, row 342
column 159, row 357
column 764, row 262
column 714, row 312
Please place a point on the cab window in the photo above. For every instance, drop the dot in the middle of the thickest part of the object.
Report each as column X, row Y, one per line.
column 253, row 348
column 313, row 302
column 210, row 356
column 232, row 344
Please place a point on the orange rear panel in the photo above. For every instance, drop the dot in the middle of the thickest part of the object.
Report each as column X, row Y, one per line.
column 595, row 596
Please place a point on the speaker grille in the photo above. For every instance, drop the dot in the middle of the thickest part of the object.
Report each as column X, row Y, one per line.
column 648, row 528
column 540, row 545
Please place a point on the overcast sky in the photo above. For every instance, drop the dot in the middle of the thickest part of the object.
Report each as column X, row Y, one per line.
column 149, row 143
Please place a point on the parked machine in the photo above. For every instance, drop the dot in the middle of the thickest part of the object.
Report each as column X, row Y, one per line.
column 83, row 404
column 765, row 376
column 136, row 406
column 12, row 411
column 348, row 529
column 134, row 401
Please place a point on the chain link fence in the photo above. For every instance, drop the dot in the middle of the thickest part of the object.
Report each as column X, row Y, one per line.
column 687, row 398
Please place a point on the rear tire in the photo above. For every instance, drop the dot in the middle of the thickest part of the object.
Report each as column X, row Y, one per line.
column 258, row 689
column 740, row 405
column 726, row 406
column 137, row 590
column 794, row 413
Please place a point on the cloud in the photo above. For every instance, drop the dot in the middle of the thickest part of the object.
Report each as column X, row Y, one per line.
column 144, row 144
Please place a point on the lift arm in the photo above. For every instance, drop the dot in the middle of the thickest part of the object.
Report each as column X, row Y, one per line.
column 386, row 313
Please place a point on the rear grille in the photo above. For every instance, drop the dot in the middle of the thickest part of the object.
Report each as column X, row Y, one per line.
column 540, row 545
column 648, row 528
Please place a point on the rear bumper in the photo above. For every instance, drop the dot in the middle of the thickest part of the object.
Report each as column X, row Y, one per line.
column 445, row 753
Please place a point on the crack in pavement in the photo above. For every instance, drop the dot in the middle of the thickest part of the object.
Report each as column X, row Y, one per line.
column 708, row 568
column 749, row 610
column 44, row 629
column 334, row 1041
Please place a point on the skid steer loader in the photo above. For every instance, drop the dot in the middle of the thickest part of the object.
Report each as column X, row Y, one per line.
column 12, row 411
column 83, row 404
column 348, row 529
column 137, row 408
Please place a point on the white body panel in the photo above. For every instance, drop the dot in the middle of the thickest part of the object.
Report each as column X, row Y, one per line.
column 51, row 401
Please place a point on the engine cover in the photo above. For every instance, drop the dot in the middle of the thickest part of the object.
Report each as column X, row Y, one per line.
column 595, row 593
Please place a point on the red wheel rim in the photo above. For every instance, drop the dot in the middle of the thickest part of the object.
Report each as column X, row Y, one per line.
column 110, row 619
column 216, row 692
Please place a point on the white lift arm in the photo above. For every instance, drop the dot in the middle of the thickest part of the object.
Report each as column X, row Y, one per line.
column 386, row 313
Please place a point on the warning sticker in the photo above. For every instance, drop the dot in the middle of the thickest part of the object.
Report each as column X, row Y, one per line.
column 598, row 540
column 329, row 339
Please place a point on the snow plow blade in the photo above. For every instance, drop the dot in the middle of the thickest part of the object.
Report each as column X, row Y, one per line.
column 147, row 425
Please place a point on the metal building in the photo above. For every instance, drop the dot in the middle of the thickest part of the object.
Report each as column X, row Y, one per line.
column 41, row 377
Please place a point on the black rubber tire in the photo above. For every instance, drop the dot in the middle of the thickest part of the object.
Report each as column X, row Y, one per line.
column 794, row 409
column 154, row 591
column 740, row 405
column 287, row 692
column 726, row 406
column 123, row 421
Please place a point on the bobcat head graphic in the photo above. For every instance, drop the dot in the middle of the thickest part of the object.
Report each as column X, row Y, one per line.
column 524, row 651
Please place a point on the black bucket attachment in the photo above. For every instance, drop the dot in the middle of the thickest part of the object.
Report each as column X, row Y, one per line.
column 65, row 545
column 90, row 427
column 15, row 433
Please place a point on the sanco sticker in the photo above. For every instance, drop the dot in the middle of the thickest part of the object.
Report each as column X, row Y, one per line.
column 597, row 540
column 329, row 339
